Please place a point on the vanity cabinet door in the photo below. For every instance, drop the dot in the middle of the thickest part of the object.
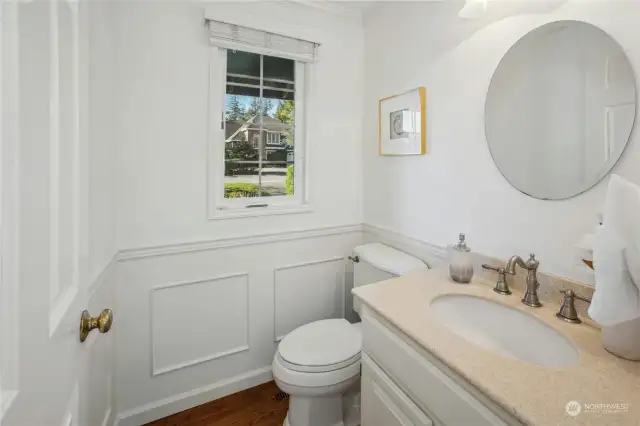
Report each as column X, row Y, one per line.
column 383, row 403
column 434, row 390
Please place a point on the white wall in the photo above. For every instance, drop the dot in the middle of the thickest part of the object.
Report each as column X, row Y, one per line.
column 162, row 66
column 456, row 187
column 200, row 304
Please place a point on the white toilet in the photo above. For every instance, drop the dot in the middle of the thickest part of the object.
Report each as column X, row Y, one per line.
column 318, row 364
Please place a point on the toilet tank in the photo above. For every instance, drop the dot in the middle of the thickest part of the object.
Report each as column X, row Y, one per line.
column 379, row 262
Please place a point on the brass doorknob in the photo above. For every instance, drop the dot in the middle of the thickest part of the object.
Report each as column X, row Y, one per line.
column 102, row 322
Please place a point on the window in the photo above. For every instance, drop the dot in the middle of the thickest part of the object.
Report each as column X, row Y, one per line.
column 261, row 107
column 257, row 86
column 273, row 138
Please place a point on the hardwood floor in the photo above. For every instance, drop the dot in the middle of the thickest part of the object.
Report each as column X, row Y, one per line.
column 252, row 407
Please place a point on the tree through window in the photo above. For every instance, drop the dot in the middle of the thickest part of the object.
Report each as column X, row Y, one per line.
column 259, row 113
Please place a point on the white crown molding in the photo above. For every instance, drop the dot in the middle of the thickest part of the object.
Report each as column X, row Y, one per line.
column 179, row 248
column 332, row 7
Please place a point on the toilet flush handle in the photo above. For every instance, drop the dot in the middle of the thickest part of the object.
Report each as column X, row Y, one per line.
column 355, row 259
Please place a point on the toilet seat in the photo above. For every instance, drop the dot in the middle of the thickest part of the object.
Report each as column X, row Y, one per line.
column 318, row 354
column 321, row 346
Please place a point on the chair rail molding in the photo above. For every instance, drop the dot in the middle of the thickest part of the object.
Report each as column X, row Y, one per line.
column 247, row 240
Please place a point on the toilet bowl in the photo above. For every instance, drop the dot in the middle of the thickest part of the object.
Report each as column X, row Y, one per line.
column 318, row 365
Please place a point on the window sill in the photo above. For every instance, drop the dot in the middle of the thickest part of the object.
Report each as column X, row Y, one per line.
column 233, row 213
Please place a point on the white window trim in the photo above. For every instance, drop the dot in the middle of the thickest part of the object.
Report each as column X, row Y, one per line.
column 217, row 206
column 273, row 133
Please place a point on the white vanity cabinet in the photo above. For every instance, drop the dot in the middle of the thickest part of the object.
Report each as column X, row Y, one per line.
column 404, row 385
column 385, row 403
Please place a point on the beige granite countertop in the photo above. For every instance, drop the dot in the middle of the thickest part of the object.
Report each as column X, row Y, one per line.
column 535, row 395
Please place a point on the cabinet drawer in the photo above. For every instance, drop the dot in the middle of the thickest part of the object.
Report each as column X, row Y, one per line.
column 428, row 386
column 383, row 403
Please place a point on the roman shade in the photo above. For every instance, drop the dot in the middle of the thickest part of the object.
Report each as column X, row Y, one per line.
column 231, row 36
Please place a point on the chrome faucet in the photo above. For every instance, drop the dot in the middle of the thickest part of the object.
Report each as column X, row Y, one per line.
column 531, row 295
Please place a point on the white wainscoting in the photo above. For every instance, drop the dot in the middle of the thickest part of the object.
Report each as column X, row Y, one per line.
column 307, row 292
column 186, row 327
column 199, row 321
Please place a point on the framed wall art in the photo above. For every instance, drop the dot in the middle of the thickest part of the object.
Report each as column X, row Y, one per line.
column 402, row 124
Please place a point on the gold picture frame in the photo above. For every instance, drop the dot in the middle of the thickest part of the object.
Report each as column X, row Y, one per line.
column 402, row 124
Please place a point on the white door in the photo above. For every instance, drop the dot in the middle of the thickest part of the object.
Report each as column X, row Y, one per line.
column 610, row 102
column 46, row 376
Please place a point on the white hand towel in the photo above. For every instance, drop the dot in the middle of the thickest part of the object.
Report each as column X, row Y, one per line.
column 616, row 298
column 616, row 256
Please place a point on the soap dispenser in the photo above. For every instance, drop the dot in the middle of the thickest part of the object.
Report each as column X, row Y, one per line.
column 460, row 261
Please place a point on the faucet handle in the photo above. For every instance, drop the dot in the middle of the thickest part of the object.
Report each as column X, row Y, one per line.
column 568, row 311
column 501, row 286
column 573, row 294
column 493, row 268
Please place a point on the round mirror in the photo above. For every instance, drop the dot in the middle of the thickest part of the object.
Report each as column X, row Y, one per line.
column 560, row 109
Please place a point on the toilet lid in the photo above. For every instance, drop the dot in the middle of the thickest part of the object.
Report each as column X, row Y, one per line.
column 323, row 345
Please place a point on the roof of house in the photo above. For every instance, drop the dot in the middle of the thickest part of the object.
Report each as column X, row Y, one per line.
column 234, row 129
column 231, row 130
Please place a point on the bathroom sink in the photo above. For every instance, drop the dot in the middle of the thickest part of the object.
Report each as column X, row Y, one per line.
column 504, row 330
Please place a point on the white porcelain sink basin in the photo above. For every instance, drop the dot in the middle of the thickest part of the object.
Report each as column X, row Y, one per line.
column 504, row 330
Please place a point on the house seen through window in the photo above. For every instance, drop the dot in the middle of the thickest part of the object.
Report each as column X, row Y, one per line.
column 259, row 117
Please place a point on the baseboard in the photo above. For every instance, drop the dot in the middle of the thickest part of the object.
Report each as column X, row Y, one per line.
column 432, row 254
column 183, row 401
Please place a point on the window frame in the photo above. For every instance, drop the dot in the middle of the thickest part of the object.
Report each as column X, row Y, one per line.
column 273, row 133
column 219, row 207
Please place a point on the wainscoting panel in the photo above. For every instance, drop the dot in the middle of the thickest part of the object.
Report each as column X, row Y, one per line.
column 308, row 292
column 198, row 321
